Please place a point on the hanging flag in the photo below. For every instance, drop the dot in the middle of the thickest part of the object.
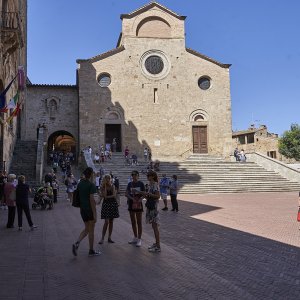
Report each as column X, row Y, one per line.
column 21, row 78
column 4, row 110
column 13, row 102
column 14, row 113
column 2, row 95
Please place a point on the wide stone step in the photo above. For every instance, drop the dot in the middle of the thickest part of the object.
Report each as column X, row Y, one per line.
column 207, row 174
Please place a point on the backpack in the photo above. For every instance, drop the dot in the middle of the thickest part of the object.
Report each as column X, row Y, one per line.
column 76, row 198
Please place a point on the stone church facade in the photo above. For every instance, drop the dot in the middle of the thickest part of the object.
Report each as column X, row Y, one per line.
column 150, row 91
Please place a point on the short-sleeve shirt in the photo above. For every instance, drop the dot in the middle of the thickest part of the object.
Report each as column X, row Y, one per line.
column 139, row 185
column 163, row 185
column 174, row 187
column 86, row 188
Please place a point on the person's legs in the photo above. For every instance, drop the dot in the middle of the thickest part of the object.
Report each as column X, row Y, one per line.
column 104, row 228
column 83, row 233
column 164, row 197
column 139, row 224
column 176, row 202
column 70, row 197
column 91, row 227
column 156, row 234
column 11, row 216
column 133, row 222
column 27, row 214
column 139, row 228
column 20, row 214
column 173, row 201
column 110, row 229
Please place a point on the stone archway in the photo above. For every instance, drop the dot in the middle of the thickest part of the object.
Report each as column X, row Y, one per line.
column 61, row 141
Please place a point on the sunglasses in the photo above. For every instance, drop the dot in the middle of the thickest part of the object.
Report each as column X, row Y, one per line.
column 134, row 174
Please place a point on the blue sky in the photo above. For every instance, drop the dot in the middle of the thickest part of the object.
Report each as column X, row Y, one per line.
column 260, row 38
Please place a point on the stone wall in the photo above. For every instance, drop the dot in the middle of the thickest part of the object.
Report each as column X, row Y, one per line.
column 55, row 106
column 155, row 112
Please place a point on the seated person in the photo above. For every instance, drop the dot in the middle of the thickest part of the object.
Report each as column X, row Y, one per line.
column 134, row 159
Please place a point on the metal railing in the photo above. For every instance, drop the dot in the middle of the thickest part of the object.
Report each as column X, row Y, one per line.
column 188, row 151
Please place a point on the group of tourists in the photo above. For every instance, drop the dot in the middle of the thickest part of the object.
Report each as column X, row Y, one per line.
column 136, row 191
column 14, row 193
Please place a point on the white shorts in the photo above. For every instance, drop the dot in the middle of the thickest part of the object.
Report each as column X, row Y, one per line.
column 163, row 196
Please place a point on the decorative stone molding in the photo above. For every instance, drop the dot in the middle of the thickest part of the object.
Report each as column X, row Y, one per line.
column 52, row 106
column 199, row 115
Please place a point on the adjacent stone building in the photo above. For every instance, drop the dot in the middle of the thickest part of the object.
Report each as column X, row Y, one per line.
column 13, row 54
column 257, row 140
column 150, row 91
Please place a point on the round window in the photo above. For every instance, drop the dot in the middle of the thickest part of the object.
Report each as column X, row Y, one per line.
column 104, row 80
column 154, row 64
column 204, row 83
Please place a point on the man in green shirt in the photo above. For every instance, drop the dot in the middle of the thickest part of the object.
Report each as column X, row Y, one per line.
column 87, row 189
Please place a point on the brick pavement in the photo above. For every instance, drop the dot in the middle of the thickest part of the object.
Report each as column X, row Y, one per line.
column 229, row 246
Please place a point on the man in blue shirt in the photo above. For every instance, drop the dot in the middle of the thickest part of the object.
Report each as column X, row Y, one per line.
column 163, row 187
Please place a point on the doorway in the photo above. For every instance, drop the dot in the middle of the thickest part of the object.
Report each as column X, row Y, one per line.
column 200, row 139
column 61, row 141
column 113, row 131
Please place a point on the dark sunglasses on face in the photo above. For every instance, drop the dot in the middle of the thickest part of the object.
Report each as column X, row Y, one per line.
column 134, row 174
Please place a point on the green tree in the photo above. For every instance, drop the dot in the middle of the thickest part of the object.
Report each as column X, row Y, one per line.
column 289, row 143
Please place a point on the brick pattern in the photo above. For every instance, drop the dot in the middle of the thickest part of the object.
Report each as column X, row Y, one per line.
column 204, row 256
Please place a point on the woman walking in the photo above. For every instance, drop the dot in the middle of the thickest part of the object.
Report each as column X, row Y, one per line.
column 110, row 209
column 22, row 191
column 87, row 211
column 10, row 199
column 152, row 215
column 134, row 195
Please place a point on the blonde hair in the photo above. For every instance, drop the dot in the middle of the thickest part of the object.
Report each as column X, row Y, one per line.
column 11, row 177
column 103, row 182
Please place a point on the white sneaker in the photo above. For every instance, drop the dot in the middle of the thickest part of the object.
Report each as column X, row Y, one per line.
column 139, row 243
column 133, row 241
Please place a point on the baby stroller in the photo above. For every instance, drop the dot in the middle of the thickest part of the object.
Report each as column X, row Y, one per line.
column 41, row 199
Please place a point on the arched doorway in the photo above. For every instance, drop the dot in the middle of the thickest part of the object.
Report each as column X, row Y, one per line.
column 61, row 141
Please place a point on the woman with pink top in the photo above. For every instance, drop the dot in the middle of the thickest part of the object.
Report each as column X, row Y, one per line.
column 10, row 199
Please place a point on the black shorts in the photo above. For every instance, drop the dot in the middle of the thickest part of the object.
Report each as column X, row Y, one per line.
column 87, row 215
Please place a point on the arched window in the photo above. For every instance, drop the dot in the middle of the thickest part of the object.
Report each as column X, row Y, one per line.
column 199, row 118
column 154, row 27
column 104, row 80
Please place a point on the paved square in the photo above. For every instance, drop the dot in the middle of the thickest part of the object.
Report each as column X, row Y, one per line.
column 219, row 246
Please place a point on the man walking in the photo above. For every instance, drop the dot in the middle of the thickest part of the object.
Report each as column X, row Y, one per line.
column 87, row 210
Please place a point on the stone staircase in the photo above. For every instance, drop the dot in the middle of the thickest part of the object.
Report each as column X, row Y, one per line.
column 24, row 160
column 208, row 174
